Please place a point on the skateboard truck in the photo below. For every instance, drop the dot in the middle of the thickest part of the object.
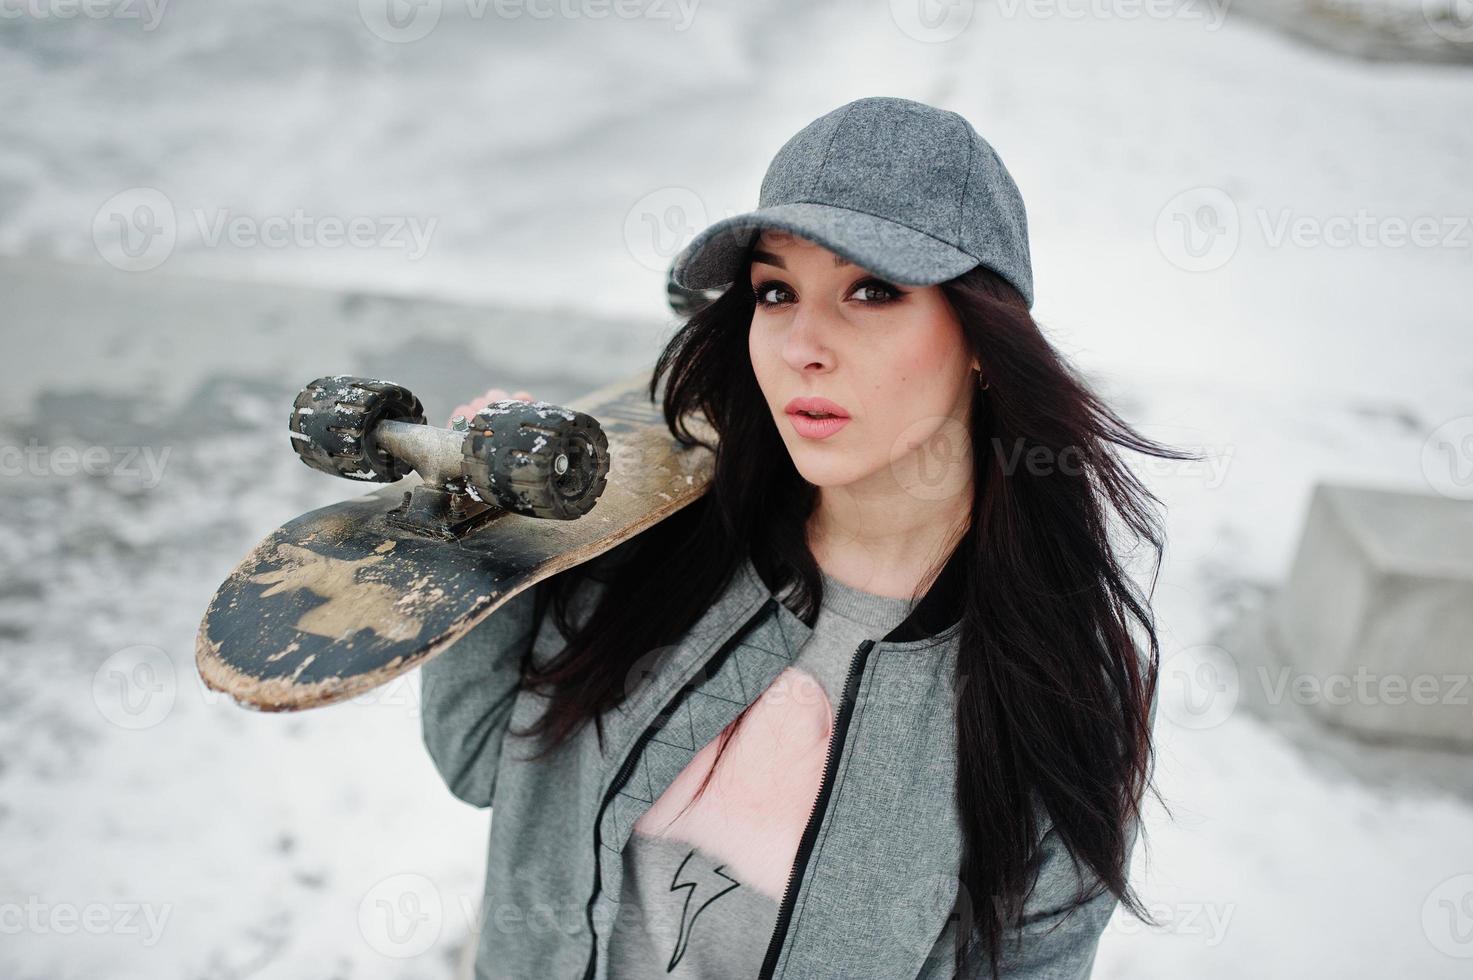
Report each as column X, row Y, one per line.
column 530, row 458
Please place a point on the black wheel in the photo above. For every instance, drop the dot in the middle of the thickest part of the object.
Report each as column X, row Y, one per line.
column 535, row 458
column 332, row 426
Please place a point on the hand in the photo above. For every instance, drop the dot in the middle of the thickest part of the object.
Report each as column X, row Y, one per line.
column 470, row 408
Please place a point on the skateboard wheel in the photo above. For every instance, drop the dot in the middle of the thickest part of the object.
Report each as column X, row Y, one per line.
column 536, row 458
column 333, row 421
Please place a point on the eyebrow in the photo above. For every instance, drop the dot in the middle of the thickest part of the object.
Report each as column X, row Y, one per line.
column 758, row 255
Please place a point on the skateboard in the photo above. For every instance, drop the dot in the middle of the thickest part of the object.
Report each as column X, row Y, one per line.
column 347, row 597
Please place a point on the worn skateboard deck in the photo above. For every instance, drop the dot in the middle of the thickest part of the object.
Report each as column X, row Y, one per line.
column 340, row 601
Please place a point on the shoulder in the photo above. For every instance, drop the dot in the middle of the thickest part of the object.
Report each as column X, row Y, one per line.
column 579, row 589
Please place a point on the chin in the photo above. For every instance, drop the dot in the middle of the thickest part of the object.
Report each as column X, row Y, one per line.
column 833, row 472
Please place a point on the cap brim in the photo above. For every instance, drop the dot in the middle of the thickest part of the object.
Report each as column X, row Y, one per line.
column 714, row 258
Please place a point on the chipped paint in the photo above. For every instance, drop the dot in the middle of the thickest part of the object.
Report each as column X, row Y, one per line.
column 297, row 627
column 351, row 605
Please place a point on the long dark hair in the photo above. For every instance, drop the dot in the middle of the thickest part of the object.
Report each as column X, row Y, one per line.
column 1053, row 694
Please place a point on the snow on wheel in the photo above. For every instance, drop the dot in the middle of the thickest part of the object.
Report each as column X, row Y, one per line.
column 333, row 421
column 536, row 458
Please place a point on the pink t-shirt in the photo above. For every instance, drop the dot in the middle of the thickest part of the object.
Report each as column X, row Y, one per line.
column 701, row 888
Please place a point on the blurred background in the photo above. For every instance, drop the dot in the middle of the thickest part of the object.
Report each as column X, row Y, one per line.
column 1250, row 225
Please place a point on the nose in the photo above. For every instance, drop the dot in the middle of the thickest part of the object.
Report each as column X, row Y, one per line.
column 806, row 348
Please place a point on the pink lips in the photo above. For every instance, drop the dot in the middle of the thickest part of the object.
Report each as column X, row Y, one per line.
column 816, row 428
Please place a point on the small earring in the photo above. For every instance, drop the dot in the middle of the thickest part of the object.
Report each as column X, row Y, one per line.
column 987, row 385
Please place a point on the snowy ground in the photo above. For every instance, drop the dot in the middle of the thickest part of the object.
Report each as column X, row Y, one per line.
column 558, row 164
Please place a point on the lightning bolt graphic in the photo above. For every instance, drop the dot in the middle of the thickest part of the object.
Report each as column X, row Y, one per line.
column 693, row 888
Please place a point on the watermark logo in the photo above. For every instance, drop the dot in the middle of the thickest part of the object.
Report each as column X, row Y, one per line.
column 402, row 693
column 931, row 459
column 1363, row 230
column 144, row 464
column 1204, row 921
column 400, row 21
column 1447, row 458
column 135, row 230
column 1451, row 20
column 148, row 13
column 1200, row 687
column 405, row 21
column 39, row 918
column 662, row 223
column 1447, row 917
column 1212, row 12
column 405, row 233
column 401, row 916
column 1364, row 686
column 1199, row 229
column 138, row 229
column 932, row 21
column 136, row 687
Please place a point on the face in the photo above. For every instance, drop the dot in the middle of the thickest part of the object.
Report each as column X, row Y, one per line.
column 892, row 358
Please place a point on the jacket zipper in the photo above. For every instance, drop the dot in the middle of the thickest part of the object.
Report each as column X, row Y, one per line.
column 820, row 804
column 626, row 768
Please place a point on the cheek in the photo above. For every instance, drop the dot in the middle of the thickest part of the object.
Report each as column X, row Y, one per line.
column 912, row 387
column 759, row 351
column 915, row 372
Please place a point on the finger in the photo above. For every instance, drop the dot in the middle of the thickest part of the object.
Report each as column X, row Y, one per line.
column 523, row 396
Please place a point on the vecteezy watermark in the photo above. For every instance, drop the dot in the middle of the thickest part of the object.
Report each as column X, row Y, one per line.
column 1447, row 917
column 1208, row 921
column 1211, row 12
column 1451, row 20
column 135, row 230
column 142, row 463
column 932, row 21
column 931, row 459
column 939, row 21
column 1447, row 458
column 38, row 917
column 138, row 229
column 1201, row 229
column 1208, row 463
column 1365, row 687
column 404, row 21
column 136, row 687
column 1199, row 687
column 661, row 223
column 402, row 915
column 1364, row 230
column 147, row 12
column 402, row 693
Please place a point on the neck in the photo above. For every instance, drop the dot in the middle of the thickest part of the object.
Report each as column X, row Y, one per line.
column 888, row 534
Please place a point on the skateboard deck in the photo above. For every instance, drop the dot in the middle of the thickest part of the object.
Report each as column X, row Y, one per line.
column 344, row 599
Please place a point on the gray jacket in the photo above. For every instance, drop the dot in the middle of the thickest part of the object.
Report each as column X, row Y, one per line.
column 874, row 885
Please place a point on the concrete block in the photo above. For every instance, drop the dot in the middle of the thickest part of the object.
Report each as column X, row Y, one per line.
column 1376, row 619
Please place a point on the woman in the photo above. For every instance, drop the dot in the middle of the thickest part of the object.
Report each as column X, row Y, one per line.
column 872, row 707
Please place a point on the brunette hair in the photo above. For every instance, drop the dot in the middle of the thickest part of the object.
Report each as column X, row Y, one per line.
column 1053, row 694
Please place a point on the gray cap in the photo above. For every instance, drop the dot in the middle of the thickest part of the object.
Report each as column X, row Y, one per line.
column 908, row 191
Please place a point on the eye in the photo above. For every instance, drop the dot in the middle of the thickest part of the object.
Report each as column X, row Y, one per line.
column 876, row 292
column 771, row 293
